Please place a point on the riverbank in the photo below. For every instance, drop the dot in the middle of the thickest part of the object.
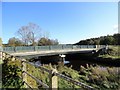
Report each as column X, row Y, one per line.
column 111, row 57
column 112, row 52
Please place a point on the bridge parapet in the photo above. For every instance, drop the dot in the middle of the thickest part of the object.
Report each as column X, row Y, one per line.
column 49, row 50
column 45, row 48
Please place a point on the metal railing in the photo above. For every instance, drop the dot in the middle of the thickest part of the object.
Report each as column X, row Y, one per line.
column 44, row 48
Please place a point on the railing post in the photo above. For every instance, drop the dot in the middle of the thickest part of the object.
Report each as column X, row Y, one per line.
column 35, row 48
column 14, row 49
column 72, row 46
column 53, row 84
column 24, row 75
column 49, row 47
column 62, row 47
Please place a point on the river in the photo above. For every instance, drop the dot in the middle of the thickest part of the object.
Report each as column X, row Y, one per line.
column 75, row 63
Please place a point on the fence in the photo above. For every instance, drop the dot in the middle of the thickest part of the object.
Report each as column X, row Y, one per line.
column 53, row 74
column 44, row 48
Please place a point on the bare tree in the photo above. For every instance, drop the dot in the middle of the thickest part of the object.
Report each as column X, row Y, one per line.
column 29, row 34
column 46, row 34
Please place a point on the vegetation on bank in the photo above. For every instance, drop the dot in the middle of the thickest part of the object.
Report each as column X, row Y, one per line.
column 99, row 77
column 112, row 52
column 103, row 40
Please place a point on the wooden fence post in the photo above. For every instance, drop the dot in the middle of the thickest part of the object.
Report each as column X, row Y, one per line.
column 53, row 80
column 24, row 75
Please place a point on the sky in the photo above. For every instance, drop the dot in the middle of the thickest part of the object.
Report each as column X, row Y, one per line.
column 69, row 22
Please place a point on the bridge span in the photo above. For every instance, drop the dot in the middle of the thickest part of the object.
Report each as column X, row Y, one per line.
column 50, row 50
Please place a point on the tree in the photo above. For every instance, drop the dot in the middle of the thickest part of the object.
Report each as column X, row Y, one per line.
column 96, row 42
column 116, row 39
column 42, row 42
column 45, row 41
column 29, row 34
column 54, row 42
column 107, row 40
column 14, row 42
column 103, row 40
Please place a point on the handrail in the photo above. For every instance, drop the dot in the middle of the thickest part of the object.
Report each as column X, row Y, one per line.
column 74, row 82
column 42, row 68
column 43, row 84
column 24, row 81
column 27, row 85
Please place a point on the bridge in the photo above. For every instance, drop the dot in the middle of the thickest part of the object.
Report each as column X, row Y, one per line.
column 50, row 50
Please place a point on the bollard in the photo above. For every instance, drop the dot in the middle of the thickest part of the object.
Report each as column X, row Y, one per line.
column 53, row 84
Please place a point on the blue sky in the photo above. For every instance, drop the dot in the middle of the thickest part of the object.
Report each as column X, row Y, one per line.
column 69, row 22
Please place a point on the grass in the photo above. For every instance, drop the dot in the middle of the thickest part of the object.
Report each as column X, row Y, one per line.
column 113, row 52
column 109, row 56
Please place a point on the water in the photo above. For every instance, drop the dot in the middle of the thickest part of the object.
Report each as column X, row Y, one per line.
column 74, row 61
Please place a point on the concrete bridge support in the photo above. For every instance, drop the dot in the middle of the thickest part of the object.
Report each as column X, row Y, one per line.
column 62, row 59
